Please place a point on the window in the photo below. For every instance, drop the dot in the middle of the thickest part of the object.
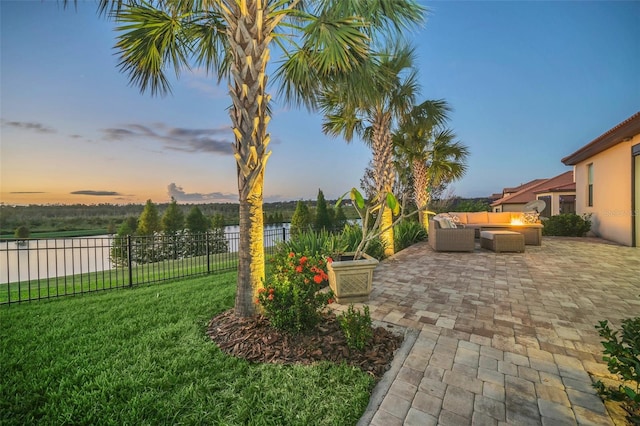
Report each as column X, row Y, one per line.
column 547, row 206
column 590, row 185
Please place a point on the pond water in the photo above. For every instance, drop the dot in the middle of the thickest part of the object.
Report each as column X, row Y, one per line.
column 56, row 257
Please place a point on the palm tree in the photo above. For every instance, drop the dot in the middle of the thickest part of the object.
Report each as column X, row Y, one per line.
column 430, row 150
column 368, row 103
column 232, row 39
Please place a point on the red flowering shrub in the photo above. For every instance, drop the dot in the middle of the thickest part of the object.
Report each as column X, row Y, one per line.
column 290, row 298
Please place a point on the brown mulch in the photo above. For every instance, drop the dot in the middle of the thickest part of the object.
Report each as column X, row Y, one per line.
column 255, row 340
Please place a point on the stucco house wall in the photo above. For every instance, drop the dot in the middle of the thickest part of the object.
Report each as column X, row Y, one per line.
column 614, row 160
column 611, row 210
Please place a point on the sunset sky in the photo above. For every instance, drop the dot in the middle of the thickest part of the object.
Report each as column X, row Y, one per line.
column 530, row 82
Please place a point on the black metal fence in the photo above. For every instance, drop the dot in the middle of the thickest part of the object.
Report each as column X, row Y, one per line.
column 35, row 269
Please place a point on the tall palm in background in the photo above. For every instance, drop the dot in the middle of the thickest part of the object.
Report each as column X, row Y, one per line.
column 232, row 39
column 430, row 151
column 369, row 103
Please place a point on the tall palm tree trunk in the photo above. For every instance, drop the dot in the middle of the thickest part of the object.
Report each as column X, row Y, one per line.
column 421, row 190
column 382, row 148
column 249, row 34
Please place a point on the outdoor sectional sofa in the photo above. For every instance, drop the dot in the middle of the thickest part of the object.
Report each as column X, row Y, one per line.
column 527, row 224
column 461, row 235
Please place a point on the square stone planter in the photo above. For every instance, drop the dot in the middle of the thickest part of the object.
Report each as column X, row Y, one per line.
column 351, row 280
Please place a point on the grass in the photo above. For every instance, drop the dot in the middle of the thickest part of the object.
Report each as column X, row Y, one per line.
column 141, row 356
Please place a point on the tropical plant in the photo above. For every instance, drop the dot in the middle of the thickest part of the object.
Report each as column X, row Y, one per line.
column 308, row 242
column 430, row 152
column 290, row 298
column 407, row 233
column 368, row 103
column 351, row 238
column 320, row 40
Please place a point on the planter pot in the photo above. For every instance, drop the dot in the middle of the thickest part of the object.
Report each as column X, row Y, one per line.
column 350, row 280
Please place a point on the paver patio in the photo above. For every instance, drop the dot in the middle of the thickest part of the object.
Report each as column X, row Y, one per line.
column 504, row 338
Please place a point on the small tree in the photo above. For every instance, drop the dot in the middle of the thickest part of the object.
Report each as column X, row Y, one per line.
column 197, row 226
column 149, row 220
column 173, row 219
column 217, row 239
column 120, row 249
column 323, row 220
column 196, row 221
column 340, row 219
column 22, row 232
column 148, row 224
column 301, row 218
column 172, row 226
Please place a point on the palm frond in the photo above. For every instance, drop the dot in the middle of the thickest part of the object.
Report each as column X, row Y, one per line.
column 150, row 40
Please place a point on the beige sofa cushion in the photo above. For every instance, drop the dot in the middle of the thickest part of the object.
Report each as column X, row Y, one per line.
column 502, row 217
column 461, row 216
column 478, row 217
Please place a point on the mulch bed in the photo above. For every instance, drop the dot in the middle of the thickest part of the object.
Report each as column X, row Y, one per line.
column 255, row 340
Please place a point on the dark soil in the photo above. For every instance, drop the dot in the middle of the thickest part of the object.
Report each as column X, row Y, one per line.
column 255, row 340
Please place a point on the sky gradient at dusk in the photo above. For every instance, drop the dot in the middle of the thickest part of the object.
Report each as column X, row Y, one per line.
column 530, row 82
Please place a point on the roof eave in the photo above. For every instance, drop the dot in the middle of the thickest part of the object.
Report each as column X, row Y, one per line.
column 627, row 129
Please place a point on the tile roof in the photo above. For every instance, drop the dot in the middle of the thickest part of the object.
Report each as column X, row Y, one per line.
column 528, row 193
column 627, row 129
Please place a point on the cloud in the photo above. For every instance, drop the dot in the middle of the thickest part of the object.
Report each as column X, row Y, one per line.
column 27, row 192
column 216, row 141
column 28, row 125
column 178, row 193
column 95, row 193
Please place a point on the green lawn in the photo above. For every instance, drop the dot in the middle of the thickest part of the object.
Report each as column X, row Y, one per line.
column 141, row 357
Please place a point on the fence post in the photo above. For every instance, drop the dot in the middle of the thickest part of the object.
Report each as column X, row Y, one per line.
column 206, row 243
column 284, row 234
column 129, row 260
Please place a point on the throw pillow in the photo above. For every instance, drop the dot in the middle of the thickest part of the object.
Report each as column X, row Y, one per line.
column 530, row 217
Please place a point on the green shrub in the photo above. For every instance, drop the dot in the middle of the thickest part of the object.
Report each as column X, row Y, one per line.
column 308, row 243
column 567, row 225
column 623, row 358
column 408, row 232
column 351, row 237
column 356, row 327
column 290, row 297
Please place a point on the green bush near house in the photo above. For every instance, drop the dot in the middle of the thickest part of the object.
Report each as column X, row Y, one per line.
column 622, row 354
column 567, row 225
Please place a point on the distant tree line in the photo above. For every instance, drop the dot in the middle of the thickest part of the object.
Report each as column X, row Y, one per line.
column 325, row 217
column 152, row 237
column 107, row 218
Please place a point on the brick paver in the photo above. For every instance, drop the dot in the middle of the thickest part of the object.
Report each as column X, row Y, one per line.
column 505, row 338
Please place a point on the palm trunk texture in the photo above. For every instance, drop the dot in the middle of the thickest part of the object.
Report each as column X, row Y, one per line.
column 249, row 33
column 421, row 190
column 384, row 174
